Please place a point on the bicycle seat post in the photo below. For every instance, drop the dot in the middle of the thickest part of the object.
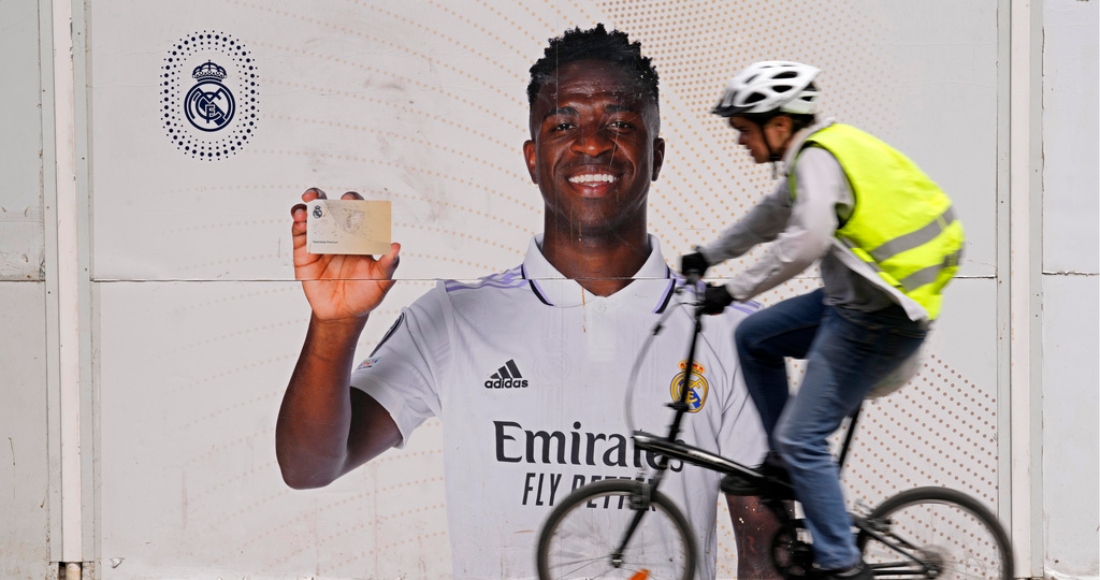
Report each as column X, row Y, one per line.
column 848, row 437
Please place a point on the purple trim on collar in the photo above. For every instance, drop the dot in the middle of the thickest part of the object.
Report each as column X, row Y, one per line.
column 503, row 280
column 667, row 296
column 535, row 288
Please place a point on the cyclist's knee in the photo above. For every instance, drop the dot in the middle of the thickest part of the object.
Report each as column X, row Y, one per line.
column 747, row 335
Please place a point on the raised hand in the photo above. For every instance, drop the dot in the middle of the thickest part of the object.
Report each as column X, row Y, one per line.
column 339, row 287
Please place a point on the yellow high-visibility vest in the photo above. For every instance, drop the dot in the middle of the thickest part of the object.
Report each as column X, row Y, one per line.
column 902, row 224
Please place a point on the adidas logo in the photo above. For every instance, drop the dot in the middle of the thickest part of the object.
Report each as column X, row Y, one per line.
column 506, row 377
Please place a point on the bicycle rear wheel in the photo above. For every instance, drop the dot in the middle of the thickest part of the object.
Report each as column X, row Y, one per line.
column 953, row 534
column 580, row 535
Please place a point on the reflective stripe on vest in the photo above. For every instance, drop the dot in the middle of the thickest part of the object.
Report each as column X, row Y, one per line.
column 902, row 223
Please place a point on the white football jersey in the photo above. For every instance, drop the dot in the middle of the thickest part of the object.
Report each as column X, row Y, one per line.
column 528, row 373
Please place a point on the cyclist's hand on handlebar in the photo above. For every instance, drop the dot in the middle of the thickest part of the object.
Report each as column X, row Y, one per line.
column 716, row 299
column 693, row 263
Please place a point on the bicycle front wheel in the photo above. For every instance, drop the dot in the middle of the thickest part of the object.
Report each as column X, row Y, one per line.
column 951, row 534
column 580, row 536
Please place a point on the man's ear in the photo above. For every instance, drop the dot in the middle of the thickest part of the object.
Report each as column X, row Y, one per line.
column 529, row 157
column 658, row 157
column 782, row 124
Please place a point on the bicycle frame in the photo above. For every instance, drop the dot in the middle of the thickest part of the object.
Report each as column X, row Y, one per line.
column 886, row 532
column 669, row 448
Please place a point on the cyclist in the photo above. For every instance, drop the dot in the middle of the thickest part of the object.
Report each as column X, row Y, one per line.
column 888, row 242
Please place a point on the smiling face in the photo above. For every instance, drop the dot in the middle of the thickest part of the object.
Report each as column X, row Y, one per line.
column 594, row 149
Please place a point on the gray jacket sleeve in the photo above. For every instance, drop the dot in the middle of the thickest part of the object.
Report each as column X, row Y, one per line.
column 762, row 224
column 801, row 230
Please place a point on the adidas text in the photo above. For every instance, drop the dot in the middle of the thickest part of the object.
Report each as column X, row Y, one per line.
column 506, row 377
column 506, row 383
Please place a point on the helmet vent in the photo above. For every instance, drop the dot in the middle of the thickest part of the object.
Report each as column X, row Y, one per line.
column 770, row 86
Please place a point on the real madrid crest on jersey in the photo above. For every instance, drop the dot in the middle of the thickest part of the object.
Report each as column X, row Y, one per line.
column 209, row 95
column 698, row 389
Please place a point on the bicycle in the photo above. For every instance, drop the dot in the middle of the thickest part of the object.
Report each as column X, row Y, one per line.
column 926, row 532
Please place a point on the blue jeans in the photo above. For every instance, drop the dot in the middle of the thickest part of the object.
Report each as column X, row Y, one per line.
column 847, row 352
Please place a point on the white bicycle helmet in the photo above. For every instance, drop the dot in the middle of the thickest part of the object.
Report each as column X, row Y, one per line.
column 767, row 86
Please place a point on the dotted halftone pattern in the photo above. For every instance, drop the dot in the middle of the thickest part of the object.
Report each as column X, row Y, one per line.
column 709, row 180
column 938, row 430
column 238, row 93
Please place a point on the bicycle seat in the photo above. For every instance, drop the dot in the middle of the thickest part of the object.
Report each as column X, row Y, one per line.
column 774, row 481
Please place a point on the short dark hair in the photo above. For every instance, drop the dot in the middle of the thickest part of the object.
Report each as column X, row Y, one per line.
column 798, row 122
column 593, row 44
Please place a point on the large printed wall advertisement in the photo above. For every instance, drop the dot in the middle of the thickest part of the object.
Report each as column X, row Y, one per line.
column 209, row 120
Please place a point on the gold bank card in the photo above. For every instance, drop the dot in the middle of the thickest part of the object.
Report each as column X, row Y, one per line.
column 348, row 226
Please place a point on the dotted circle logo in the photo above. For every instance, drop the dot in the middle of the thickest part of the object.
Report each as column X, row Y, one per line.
column 209, row 95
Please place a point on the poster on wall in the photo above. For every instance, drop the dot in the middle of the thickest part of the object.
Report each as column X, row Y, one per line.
column 546, row 163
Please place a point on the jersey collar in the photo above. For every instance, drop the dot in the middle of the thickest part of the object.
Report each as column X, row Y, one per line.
column 650, row 291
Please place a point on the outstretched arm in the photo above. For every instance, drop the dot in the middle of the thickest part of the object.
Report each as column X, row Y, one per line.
column 809, row 231
column 325, row 428
column 761, row 224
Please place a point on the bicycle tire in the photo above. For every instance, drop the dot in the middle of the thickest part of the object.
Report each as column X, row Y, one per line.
column 580, row 534
column 948, row 528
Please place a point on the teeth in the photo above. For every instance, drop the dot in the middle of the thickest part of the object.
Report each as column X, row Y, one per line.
column 592, row 178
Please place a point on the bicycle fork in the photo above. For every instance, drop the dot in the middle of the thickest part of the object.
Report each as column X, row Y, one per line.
column 640, row 502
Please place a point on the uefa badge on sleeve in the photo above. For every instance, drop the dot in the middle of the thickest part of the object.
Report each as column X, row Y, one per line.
column 209, row 95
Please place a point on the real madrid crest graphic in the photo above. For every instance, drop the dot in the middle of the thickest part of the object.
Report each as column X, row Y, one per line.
column 209, row 105
column 698, row 389
column 209, row 95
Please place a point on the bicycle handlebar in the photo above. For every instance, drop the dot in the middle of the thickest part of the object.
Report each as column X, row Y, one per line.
column 692, row 277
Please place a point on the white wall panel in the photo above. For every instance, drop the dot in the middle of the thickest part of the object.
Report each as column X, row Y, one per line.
column 20, row 144
column 1071, row 437
column 424, row 104
column 190, row 384
column 24, row 467
column 1071, row 289
column 190, row 486
column 420, row 105
column 1071, row 122
column 944, row 92
column 941, row 428
column 24, row 471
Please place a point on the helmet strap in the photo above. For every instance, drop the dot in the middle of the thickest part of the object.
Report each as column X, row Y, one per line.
column 772, row 155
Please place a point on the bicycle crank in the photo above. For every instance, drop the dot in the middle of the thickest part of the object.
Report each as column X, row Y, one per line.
column 793, row 558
